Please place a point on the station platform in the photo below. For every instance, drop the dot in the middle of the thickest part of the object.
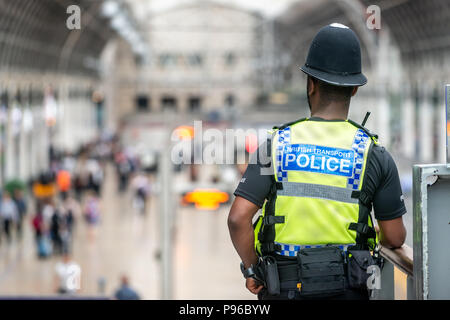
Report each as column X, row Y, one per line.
column 127, row 242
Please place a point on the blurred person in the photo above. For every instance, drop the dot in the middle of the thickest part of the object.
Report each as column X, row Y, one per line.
column 63, row 180
column 72, row 210
column 140, row 185
column 49, row 222
column 68, row 276
column 67, row 221
column 95, row 179
column 316, row 202
column 125, row 292
column 21, row 205
column 68, row 162
column 77, row 187
column 124, row 169
column 92, row 209
column 81, row 175
column 56, row 227
column 9, row 214
column 42, row 243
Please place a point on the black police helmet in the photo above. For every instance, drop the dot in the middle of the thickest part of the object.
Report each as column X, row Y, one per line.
column 335, row 57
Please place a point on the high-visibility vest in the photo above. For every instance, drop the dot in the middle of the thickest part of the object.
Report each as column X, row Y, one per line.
column 318, row 195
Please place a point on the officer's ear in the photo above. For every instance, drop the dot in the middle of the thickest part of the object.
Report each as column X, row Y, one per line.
column 312, row 86
column 355, row 89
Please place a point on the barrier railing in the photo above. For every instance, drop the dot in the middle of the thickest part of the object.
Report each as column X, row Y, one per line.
column 397, row 277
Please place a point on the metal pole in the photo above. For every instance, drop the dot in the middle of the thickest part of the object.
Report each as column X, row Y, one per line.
column 447, row 123
column 166, row 217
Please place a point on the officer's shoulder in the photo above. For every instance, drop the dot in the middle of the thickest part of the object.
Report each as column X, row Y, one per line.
column 372, row 135
column 288, row 124
column 382, row 158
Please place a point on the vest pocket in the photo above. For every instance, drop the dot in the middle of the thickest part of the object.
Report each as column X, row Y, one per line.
column 321, row 271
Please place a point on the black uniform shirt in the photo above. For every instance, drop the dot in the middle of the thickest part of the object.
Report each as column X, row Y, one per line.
column 381, row 178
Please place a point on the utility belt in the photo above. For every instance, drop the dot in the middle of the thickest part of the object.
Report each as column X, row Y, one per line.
column 320, row 271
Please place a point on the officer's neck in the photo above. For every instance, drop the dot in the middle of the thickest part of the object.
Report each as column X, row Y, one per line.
column 332, row 111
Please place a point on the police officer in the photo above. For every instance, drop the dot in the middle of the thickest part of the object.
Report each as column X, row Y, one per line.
column 326, row 173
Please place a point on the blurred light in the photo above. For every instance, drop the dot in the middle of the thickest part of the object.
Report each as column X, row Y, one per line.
column 206, row 199
column 119, row 22
column 110, row 8
column 123, row 24
column 251, row 143
column 185, row 132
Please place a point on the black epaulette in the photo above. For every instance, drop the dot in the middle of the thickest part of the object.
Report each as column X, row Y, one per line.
column 370, row 134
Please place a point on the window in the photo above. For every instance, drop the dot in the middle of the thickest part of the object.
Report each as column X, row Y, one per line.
column 195, row 60
column 230, row 100
column 169, row 102
column 194, row 104
column 142, row 103
column 166, row 60
column 230, row 59
column 262, row 99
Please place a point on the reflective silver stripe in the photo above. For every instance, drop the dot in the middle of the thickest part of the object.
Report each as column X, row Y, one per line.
column 318, row 191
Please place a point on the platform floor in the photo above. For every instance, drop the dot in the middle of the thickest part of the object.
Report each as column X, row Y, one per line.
column 205, row 263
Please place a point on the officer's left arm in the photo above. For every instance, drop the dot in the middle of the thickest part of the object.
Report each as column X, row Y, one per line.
column 392, row 232
column 241, row 229
column 389, row 205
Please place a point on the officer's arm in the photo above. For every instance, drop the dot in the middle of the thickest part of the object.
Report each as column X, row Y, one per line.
column 392, row 232
column 241, row 229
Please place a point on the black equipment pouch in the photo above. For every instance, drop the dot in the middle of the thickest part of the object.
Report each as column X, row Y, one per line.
column 357, row 263
column 321, row 271
column 271, row 277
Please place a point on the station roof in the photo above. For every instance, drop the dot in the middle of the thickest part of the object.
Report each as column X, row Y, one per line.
column 34, row 36
column 419, row 28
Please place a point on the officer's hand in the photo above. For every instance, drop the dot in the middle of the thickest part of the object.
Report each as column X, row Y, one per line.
column 253, row 286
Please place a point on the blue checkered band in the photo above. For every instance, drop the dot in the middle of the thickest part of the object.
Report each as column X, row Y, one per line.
column 359, row 146
column 290, row 250
column 284, row 137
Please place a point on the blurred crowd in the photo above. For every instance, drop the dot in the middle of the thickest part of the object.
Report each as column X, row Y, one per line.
column 70, row 190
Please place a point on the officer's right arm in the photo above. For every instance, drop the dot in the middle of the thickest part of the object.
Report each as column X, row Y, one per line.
column 241, row 229
column 242, row 236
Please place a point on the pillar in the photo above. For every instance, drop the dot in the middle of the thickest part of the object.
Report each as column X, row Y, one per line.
column 426, row 138
column 408, row 129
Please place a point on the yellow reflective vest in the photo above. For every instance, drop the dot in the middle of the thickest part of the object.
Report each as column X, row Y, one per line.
column 319, row 169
